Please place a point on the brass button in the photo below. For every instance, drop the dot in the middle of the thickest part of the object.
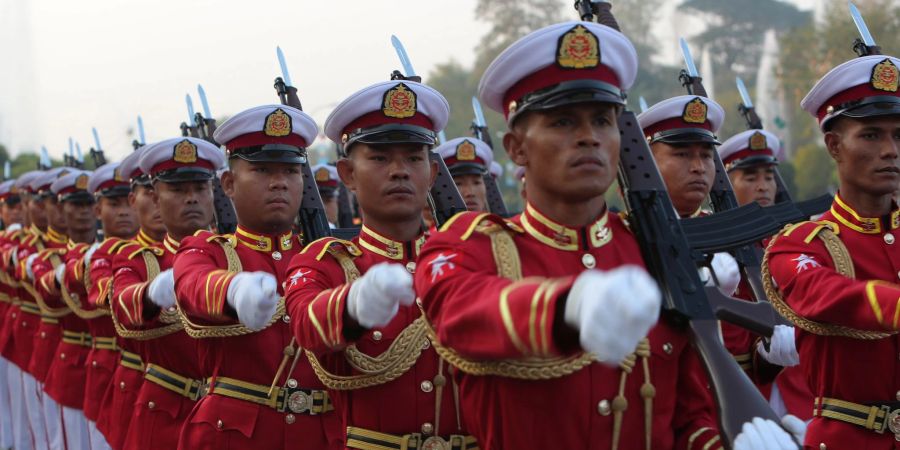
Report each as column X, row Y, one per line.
column 292, row 383
column 425, row 344
column 376, row 335
column 286, row 318
column 667, row 347
column 151, row 405
column 603, row 408
column 13, row 315
column 427, row 428
column 93, row 363
column 121, row 385
column 589, row 261
column 220, row 424
column 427, row 386
column 822, row 445
column 411, row 267
column 888, row 238
column 289, row 419
column 43, row 335
column 276, row 255
column 62, row 356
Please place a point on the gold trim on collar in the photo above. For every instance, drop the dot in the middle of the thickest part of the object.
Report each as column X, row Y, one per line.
column 865, row 225
column 144, row 239
column 171, row 244
column 389, row 248
column 261, row 242
column 55, row 236
column 562, row 237
column 34, row 230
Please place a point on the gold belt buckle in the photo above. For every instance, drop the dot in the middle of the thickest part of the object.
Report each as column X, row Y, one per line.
column 435, row 443
column 893, row 421
column 299, row 402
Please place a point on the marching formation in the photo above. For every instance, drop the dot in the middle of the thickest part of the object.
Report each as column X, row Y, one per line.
column 213, row 290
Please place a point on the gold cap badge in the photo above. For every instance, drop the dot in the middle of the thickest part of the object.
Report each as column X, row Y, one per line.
column 323, row 175
column 117, row 175
column 278, row 124
column 185, row 152
column 81, row 183
column 578, row 48
column 695, row 111
column 758, row 141
column 465, row 151
column 399, row 102
column 885, row 76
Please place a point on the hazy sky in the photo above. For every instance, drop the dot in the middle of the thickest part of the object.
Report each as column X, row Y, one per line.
column 70, row 65
column 102, row 62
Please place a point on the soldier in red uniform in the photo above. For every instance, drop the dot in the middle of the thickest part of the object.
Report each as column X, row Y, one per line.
column 113, row 388
column 65, row 378
column 17, row 352
column 549, row 317
column 262, row 390
column 328, row 183
column 11, row 215
column 45, row 416
column 838, row 276
column 468, row 159
column 143, row 296
column 681, row 132
column 352, row 301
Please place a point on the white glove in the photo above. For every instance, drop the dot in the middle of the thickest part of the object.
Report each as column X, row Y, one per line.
column 254, row 295
column 28, row 266
column 782, row 351
column 613, row 310
column 14, row 227
column 376, row 296
column 90, row 254
column 162, row 290
column 60, row 272
column 727, row 271
column 796, row 426
column 763, row 434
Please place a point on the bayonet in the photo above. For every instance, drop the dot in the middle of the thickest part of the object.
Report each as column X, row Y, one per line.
column 7, row 170
column 689, row 76
column 867, row 45
column 285, row 88
column 203, row 101
column 643, row 103
column 442, row 137
column 285, row 75
column 404, row 58
column 96, row 139
column 745, row 96
column 688, row 59
column 479, row 113
column 190, row 107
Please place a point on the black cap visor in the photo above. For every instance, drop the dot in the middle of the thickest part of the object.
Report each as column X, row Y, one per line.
column 390, row 133
column 880, row 105
column 685, row 136
column 78, row 196
column 752, row 161
column 466, row 169
column 184, row 174
column 275, row 153
column 115, row 191
column 567, row 93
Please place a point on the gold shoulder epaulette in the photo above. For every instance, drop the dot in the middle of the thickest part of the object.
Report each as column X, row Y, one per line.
column 228, row 239
column 331, row 245
column 142, row 249
column 117, row 246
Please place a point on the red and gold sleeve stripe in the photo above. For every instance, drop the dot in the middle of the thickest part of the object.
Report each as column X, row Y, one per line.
column 704, row 439
column 527, row 313
column 326, row 313
column 884, row 300
column 131, row 302
column 104, row 290
column 215, row 290
column 48, row 284
column 78, row 271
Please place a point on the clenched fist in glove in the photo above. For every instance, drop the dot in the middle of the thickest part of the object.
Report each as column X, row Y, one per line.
column 782, row 349
column 375, row 297
column 727, row 271
column 162, row 289
column 764, row 434
column 613, row 310
column 254, row 295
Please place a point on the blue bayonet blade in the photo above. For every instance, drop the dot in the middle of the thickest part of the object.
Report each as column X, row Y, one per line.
column 203, row 102
column 745, row 96
column 688, row 59
column 141, row 130
column 285, row 75
column 442, row 137
column 78, row 156
column 71, row 147
column 96, row 139
column 643, row 103
column 190, row 107
column 45, row 157
column 404, row 58
column 861, row 25
column 479, row 114
column 7, row 170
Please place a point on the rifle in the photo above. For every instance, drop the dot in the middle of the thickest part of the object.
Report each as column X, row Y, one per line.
column 312, row 218
column 865, row 44
column 672, row 249
column 808, row 208
column 68, row 158
column 203, row 127
column 346, row 213
column 444, row 198
column 96, row 153
column 480, row 131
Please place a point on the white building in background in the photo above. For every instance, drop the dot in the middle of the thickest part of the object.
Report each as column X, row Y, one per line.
column 769, row 99
column 20, row 124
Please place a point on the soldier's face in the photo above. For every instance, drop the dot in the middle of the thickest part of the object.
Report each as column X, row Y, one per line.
column 141, row 201
column 36, row 212
column 185, row 207
column 55, row 216
column 391, row 181
column 473, row 191
column 688, row 171
column 570, row 152
column 866, row 152
column 11, row 213
column 331, row 208
column 117, row 217
column 754, row 184
column 79, row 217
column 266, row 195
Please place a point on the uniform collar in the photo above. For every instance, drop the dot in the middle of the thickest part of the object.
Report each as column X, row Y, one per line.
column 561, row 237
column 170, row 244
column 144, row 239
column 55, row 236
column 264, row 242
column 34, row 230
column 396, row 250
column 847, row 216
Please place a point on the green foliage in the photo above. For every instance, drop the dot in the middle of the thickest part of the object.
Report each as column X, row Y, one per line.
column 815, row 173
